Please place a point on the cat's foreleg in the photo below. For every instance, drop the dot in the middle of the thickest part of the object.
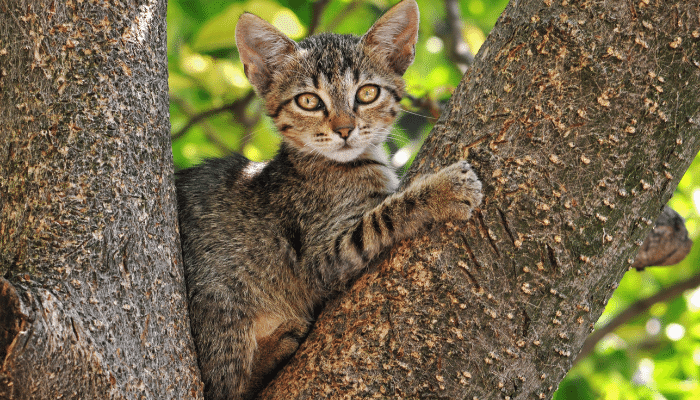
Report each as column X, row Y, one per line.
column 449, row 194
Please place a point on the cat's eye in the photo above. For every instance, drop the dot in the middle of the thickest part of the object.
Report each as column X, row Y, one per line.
column 367, row 94
column 309, row 101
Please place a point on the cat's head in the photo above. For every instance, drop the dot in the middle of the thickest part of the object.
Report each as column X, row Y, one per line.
column 334, row 95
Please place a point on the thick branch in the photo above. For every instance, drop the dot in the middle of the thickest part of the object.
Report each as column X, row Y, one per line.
column 12, row 319
column 666, row 244
column 580, row 118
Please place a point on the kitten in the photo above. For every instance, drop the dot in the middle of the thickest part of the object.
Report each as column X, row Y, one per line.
column 264, row 244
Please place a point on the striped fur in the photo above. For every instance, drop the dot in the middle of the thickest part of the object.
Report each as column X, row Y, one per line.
column 264, row 244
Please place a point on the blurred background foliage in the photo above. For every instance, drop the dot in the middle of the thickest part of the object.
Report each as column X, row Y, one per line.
column 213, row 112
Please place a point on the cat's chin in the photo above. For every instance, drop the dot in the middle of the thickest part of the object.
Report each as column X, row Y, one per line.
column 344, row 154
column 348, row 153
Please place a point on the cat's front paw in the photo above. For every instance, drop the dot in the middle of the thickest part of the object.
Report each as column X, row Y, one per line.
column 461, row 190
column 466, row 184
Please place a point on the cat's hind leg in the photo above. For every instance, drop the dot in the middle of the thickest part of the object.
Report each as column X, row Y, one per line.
column 225, row 341
column 274, row 349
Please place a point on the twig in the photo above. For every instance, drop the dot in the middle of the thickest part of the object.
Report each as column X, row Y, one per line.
column 316, row 14
column 235, row 107
column 427, row 104
column 208, row 130
column 460, row 51
column 343, row 14
column 634, row 310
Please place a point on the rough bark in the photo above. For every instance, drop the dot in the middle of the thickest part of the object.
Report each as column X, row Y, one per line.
column 580, row 117
column 92, row 301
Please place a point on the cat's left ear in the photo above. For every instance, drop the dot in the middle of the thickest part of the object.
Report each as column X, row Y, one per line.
column 393, row 37
column 262, row 48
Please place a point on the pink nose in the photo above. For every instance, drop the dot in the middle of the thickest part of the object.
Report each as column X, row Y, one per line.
column 344, row 131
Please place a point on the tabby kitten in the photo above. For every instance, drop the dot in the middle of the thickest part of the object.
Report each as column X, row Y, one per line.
column 265, row 243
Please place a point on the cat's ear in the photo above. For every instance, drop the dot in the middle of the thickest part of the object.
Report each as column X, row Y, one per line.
column 262, row 48
column 393, row 37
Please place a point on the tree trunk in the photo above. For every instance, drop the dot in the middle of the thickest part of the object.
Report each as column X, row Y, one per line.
column 92, row 303
column 580, row 117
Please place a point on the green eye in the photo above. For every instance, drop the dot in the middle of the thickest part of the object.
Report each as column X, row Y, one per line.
column 367, row 94
column 309, row 101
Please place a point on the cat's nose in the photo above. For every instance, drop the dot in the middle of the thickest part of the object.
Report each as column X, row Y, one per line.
column 344, row 131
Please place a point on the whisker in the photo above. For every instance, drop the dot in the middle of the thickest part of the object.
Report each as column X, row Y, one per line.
column 315, row 152
column 394, row 136
column 419, row 115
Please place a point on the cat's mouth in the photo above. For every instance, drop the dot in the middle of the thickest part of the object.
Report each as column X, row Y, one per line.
column 344, row 153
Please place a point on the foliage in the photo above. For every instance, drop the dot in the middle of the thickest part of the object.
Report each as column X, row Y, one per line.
column 654, row 356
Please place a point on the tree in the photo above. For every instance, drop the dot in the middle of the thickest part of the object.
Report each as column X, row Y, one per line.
column 580, row 119
column 92, row 301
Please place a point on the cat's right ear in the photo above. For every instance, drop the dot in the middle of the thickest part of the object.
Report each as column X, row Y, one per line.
column 262, row 48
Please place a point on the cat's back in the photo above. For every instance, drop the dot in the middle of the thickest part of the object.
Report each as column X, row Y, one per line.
column 200, row 181
column 215, row 186
column 212, row 200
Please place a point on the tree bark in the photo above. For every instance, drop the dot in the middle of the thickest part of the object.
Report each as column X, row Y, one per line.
column 92, row 303
column 580, row 117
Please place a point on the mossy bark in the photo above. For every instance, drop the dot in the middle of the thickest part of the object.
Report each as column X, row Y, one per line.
column 580, row 117
column 92, row 302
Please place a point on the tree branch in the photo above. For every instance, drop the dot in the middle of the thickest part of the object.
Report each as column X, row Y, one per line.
column 12, row 319
column 344, row 13
column 460, row 52
column 666, row 244
column 426, row 104
column 237, row 107
column 553, row 116
column 92, row 296
column 633, row 311
column 316, row 15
